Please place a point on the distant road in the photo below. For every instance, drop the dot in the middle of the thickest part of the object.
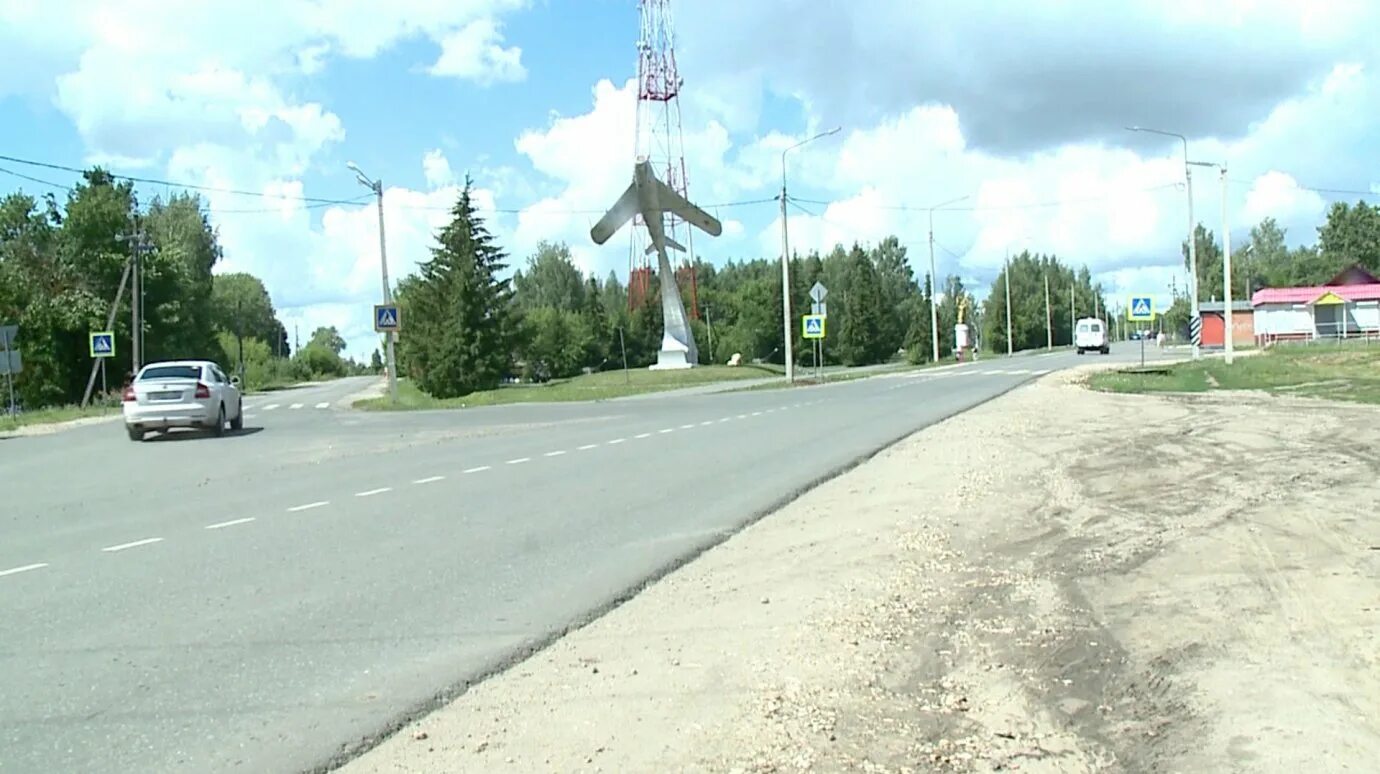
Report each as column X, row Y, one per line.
column 260, row 602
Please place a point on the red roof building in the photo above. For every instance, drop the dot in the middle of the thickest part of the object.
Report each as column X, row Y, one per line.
column 1347, row 305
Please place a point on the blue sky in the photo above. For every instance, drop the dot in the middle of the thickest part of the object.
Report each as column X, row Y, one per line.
column 1019, row 106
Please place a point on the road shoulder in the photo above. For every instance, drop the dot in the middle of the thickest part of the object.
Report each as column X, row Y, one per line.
column 1059, row 580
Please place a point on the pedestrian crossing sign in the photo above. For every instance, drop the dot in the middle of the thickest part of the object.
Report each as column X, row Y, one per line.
column 812, row 326
column 102, row 344
column 386, row 318
column 1141, row 309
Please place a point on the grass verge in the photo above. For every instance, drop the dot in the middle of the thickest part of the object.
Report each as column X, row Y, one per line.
column 599, row 386
column 54, row 415
column 1348, row 372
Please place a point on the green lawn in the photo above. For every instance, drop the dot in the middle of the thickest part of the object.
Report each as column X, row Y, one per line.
column 53, row 414
column 1337, row 372
column 599, row 386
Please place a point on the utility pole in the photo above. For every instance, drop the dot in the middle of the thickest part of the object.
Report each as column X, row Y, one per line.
column 1226, row 273
column 109, row 324
column 239, row 335
column 1073, row 313
column 139, row 244
column 786, row 261
column 296, row 339
column 1049, row 318
column 934, row 282
column 377, row 187
column 1195, row 318
column 710, row 325
column 1007, row 274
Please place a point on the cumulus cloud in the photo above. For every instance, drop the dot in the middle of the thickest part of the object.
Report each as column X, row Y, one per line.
column 475, row 52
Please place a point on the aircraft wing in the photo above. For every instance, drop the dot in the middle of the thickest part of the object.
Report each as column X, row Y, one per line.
column 621, row 212
column 674, row 202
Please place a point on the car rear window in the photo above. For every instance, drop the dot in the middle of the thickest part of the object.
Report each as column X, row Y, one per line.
column 1095, row 328
column 170, row 372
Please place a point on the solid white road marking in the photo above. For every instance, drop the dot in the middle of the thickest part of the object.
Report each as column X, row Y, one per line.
column 519, row 461
column 25, row 568
column 295, row 406
column 372, row 492
column 225, row 524
column 308, row 506
column 556, row 453
column 588, row 446
column 428, row 480
column 270, row 407
column 479, row 469
column 323, row 404
column 135, row 544
column 1041, row 372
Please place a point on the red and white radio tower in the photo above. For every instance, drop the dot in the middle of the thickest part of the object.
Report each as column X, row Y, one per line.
column 660, row 141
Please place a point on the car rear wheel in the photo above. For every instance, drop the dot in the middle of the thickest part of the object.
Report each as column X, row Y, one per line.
column 135, row 434
column 219, row 429
column 237, row 423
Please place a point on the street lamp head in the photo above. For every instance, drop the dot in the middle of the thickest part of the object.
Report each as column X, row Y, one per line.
column 353, row 166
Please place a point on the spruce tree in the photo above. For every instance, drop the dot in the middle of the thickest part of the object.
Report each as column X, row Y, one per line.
column 862, row 326
column 462, row 324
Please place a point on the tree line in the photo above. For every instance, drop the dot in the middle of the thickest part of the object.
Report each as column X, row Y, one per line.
column 469, row 325
column 61, row 263
column 1349, row 236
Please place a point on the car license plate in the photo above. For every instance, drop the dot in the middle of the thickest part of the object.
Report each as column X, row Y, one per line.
column 166, row 395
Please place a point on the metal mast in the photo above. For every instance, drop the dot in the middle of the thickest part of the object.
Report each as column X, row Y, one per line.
column 660, row 140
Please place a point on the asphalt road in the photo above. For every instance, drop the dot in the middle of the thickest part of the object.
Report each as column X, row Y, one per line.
column 261, row 601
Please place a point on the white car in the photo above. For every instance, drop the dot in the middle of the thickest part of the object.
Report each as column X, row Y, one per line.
column 182, row 393
column 1091, row 334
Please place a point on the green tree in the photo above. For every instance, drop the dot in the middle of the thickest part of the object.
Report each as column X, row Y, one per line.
column 1351, row 235
column 240, row 302
column 461, row 315
column 552, row 280
column 327, row 338
column 861, row 337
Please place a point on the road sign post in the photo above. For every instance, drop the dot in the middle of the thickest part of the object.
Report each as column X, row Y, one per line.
column 9, row 359
column 1141, row 309
column 818, row 292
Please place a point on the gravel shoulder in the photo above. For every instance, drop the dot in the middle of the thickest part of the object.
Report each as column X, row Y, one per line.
column 1057, row 581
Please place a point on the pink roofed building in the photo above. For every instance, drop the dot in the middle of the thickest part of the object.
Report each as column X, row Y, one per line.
column 1346, row 306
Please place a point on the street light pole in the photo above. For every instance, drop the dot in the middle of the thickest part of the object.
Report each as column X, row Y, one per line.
column 377, row 187
column 1007, row 273
column 1194, row 315
column 934, row 282
column 1226, row 272
column 786, row 261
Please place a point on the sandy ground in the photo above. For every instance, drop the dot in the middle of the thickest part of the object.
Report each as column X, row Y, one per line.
column 1058, row 581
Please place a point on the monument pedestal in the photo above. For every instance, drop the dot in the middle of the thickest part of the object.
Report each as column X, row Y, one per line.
column 675, row 354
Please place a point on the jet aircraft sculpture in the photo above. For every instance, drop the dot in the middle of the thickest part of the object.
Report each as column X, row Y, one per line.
column 653, row 199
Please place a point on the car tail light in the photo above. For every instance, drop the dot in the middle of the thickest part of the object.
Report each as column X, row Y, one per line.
column 129, row 394
column 202, row 391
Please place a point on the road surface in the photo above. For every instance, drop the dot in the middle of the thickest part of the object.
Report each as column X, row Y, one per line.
column 264, row 601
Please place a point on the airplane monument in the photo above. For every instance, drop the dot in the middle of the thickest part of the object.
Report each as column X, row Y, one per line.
column 653, row 199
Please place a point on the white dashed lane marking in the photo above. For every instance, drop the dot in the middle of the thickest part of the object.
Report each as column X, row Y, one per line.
column 588, row 446
column 666, row 430
column 308, row 506
column 643, row 435
column 372, row 492
column 323, row 404
column 25, row 568
column 428, row 480
column 479, row 469
column 232, row 523
column 556, row 453
column 616, row 441
column 519, row 460
column 270, row 407
column 135, row 544
column 687, row 427
column 295, row 406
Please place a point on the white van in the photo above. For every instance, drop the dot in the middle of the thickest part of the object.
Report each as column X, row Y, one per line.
column 1091, row 334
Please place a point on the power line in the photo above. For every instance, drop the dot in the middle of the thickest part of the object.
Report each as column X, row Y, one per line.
column 1021, row 206
column 189, row 186
column 1340, row 191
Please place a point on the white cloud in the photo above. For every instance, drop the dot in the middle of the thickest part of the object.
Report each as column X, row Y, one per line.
column 475, row 52
column 437, row 169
